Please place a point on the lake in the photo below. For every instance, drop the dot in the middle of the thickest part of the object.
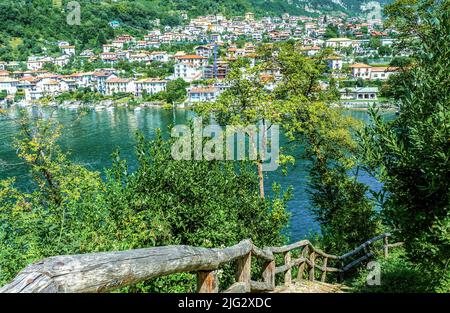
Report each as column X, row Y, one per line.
column 93, row 137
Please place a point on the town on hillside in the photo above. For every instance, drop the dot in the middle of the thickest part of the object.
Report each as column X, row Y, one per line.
column 200, row 53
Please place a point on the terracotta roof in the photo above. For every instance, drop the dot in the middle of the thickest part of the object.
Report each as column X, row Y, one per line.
column 52, row 82
column 152, row 80
column 190, row 56
column 101, row 74
column 334, row 57
column 117, row 80
column 384, row 69
column 7, row 80
column 203, row 90
column 359, row 65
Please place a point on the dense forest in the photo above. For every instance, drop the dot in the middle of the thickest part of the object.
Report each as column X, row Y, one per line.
column 29, row 26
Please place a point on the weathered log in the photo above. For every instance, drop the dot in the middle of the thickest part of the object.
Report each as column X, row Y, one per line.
column 283, row 268
column 290, row 247
column 265, row 254
column 312, row 258
column 324, row 272
column 363, row 246
column 357, row 261
column 243, row 268
column 100, row 272
column 260, row 286
column 302, row 266
column 386, row 247
column 397, row 244
column 239, row 287
column 288, row 274
column 207, row 282
column 268, row 274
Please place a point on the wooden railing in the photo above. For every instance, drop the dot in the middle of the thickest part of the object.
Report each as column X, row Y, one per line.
column 104, row 271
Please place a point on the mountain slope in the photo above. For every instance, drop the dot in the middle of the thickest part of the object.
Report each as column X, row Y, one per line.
column 27, row 26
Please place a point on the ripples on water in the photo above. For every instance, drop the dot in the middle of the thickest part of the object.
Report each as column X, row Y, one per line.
column 92, row 138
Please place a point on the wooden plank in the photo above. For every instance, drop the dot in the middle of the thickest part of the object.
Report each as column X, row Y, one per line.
column 290, row 247
column 104, row 271
column 283, row 268
column 363, row 246
column 312, row 258
column 357, row 261
column 243, row 270
column 268, row 274
column 207, row 282
column 265, row 254
column 324, row 271
column 303, row 265
column 288, row 274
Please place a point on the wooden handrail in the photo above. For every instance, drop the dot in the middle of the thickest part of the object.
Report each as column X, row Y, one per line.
column 105, row 271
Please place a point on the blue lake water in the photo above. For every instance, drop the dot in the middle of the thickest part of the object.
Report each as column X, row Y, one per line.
column 93, row 137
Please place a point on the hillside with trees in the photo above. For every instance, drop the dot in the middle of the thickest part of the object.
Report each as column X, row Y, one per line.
column 30, row 26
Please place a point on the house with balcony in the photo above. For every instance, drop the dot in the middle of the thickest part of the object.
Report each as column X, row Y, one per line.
column 9, row 85
column 359, row 93
column 150, row 86
column 382, row 73
column 67, row 50
column 361, row 70
column 117, row 85
column 202, row 94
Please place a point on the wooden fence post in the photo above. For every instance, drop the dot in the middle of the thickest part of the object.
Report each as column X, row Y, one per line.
column 269, row 273
column 324, row 272
column 301, row 268
column 244, row 268
column 386, row 247
column 207, row 282
column 288, row 273
column 312, row 259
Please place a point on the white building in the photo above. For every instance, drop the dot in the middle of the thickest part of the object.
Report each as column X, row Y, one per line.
column 202, row 94
column 188, row 71
column 359, row 93
column 205, row 51
column 150, row 86
column 67, row 50
column 361, row 70
column 194, row 59
column 367, row 72
column 338, row 43
column 334, row 63
column 160, row 56
column 9, row 85
column 382, row 73
column 115, row 85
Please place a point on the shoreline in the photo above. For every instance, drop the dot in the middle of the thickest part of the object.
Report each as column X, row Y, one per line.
column 115, row 104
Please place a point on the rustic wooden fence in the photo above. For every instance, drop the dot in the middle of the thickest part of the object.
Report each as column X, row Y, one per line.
column 105, row 271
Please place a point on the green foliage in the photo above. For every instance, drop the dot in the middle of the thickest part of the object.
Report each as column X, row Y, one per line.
column 339, row 201
column 331, row 31
column 175, row 92
column 398, row 275
column 410, row 154
column 73, row 210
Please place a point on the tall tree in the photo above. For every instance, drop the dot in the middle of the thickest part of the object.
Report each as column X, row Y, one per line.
column 410, row 154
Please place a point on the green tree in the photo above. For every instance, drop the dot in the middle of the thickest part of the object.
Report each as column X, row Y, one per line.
column 164, row 201
column 331, row 31
column 410, row 154
column 176, row 91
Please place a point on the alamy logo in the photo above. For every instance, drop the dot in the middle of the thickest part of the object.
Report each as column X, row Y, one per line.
column 213, row 142
column 374, row 275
